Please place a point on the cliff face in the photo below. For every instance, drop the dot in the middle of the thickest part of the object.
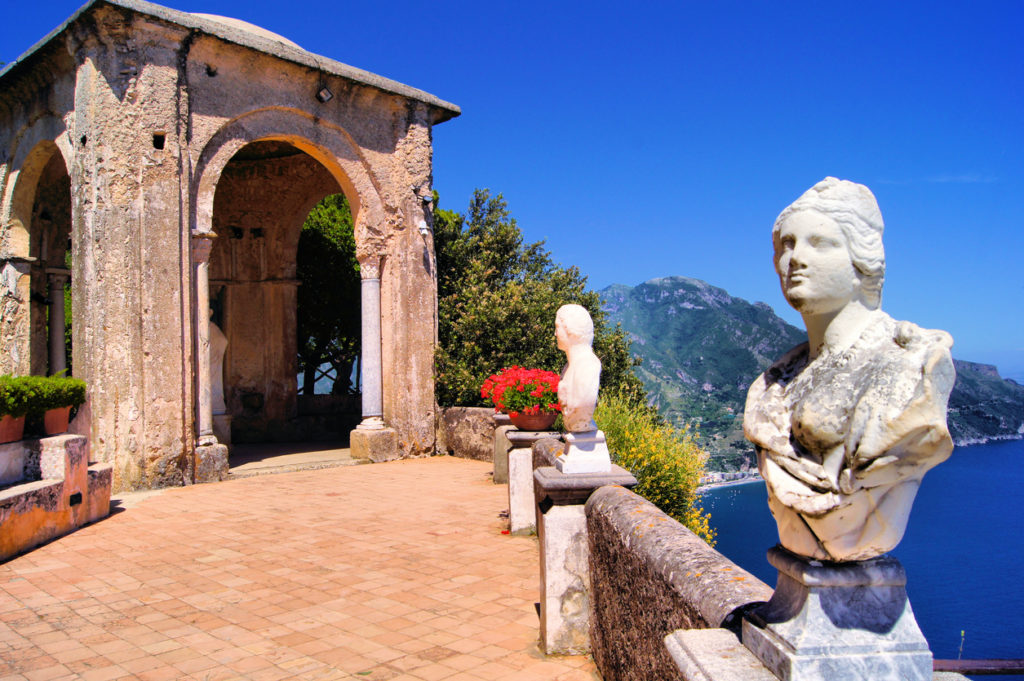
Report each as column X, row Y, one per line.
column 701, row 348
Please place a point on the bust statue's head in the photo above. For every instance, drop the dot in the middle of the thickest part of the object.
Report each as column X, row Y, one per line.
column 573, row 326
column 831, row 214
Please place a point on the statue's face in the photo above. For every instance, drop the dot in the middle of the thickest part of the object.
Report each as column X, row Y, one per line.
column 814, row 265
column 561, row 334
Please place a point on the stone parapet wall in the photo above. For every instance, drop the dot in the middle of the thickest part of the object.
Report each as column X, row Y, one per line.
column 651, row 576
column 467, row 432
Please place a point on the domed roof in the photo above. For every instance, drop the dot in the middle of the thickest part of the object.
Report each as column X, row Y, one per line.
column 246, row 26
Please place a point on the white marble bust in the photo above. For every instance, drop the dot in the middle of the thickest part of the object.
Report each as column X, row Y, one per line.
column 847, row 424
column 218, row 346
column 581, row 378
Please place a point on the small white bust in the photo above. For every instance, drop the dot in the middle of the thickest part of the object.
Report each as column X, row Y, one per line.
column 581, row 378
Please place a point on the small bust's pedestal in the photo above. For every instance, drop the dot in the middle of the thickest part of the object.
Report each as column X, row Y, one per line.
column 565, row 555
column 838, row 621
column 585, row 452
column 502, row 427
column 522, row 508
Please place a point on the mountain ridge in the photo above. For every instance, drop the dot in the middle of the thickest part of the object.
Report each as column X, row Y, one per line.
column 700, row 347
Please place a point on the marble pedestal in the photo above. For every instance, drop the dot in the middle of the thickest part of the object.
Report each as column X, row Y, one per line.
column 838, row 621
column 211, row 463
column 522, row 508
column 585, row 452
column 565, row 601
column 374, row 444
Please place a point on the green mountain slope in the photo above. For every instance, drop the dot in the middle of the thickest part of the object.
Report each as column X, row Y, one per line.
column 701, row 348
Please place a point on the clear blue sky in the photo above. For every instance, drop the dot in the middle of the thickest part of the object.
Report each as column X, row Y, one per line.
column 662, row 138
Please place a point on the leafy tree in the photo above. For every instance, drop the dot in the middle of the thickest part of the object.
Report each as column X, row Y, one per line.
column 328, row 299
column 497, row 302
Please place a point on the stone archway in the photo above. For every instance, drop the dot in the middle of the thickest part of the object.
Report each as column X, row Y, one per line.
column 37, row 253
column 331, row 163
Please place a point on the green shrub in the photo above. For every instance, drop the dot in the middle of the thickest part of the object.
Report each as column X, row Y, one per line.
column 666, row 462
column 34, row 395
column 13, row 397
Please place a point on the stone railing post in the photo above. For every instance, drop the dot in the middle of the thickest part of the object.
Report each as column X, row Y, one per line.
column 57, row 278
column 211, row 457
column 565, row 596
column 372, row 439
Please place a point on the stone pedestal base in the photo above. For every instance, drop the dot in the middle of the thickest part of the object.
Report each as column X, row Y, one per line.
column 585, row 453
column 501, row 450
column 211, row 463
column 374, row 445
column 838, row 621
column 565, row 606
column 522, row 511
column 222, row 428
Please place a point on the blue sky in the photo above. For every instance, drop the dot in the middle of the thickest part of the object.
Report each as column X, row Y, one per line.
column 662, row 138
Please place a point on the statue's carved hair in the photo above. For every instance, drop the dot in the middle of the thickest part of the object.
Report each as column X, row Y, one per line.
column 853, row 207
column 577, row 322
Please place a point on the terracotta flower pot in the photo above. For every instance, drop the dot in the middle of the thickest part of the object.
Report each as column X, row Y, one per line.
column 11, row 428
column 534, row 421
column 55, row 421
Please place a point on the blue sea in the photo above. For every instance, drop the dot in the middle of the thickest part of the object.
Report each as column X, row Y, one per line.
column 963, row 550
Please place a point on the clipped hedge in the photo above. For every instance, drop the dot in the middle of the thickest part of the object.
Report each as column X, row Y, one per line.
column 35, row 395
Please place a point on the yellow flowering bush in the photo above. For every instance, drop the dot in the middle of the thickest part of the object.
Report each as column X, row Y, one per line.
column 666, row 462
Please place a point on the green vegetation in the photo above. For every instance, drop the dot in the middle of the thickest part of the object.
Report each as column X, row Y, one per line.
column 667, row 463
column 328, row 299
column 497, row 298
column 34, row 395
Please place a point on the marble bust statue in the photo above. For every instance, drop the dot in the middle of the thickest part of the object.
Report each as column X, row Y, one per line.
column 218, row 346
column 847, row 424
column 579, row 383
column 586, row 450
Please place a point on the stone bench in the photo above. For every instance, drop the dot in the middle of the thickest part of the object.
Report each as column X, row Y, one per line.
column 56, row 492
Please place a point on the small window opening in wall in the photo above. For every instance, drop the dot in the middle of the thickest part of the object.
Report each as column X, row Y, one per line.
column 236, row 232
column 211, row 70
column 82, row 141
column 159, row 139
column 257, row 232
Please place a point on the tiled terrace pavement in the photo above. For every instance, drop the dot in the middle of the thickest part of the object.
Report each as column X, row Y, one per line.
column 390, row 571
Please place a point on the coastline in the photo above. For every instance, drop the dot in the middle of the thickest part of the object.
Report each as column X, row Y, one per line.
column 970, row 442
column 729, row 483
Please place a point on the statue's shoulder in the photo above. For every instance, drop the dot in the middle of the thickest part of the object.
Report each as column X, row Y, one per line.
column 918, row 349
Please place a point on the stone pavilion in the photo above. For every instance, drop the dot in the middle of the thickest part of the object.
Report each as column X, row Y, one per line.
column 164, row 163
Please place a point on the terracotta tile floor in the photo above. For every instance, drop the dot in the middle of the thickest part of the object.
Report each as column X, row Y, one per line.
column 389, row 571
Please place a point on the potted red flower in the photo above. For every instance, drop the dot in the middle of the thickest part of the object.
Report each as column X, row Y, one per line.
column 528, row 396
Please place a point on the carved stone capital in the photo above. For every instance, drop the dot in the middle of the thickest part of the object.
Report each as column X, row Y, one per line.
column 202, row 246
column 369, row 267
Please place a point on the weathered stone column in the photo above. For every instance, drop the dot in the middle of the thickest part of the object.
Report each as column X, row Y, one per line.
column 202, row 245
column 565, row 599
column 57, row 278
column 372, row 439
column 211, row 457
column 370, row 366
